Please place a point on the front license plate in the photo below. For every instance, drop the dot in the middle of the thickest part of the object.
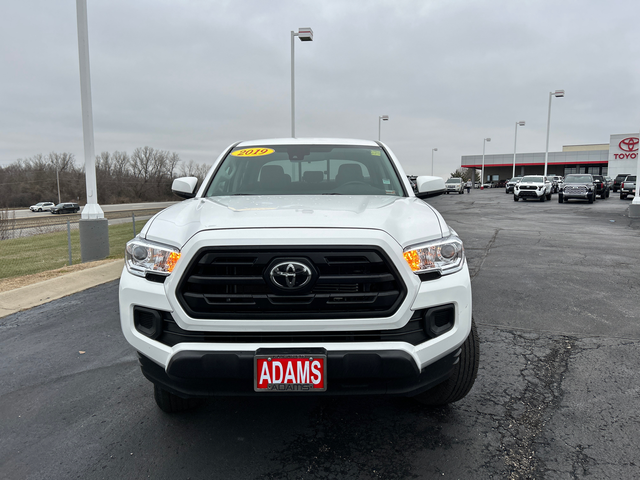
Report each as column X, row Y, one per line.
column 290, row 373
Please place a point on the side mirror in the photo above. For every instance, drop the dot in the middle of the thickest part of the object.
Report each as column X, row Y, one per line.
column 429, row 186
column 185, row 187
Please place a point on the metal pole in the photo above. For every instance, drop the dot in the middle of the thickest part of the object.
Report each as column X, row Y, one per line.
column 514, row 151
column 91, row 210
column 293, row 88
column 69, row 241
column 379, row 122
column 484, row 144
column 546, row 150
column 58, row 182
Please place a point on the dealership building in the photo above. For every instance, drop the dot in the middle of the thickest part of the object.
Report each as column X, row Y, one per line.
column 620, row 155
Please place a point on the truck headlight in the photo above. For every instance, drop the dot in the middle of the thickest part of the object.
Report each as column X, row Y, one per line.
column 445, row 256
column 142, row 257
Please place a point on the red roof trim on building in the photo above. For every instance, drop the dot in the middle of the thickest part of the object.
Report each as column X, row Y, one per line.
column 529, row 164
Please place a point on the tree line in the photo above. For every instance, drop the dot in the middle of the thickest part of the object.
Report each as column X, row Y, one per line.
column 144, row 176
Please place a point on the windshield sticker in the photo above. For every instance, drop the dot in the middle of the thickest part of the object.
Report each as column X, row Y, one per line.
column 375, row 153
column 253, row 152
column 390, row 192
column 386, row 181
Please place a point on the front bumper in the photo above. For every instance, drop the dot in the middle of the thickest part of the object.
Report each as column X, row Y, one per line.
column 355, row 365
column 529, row 193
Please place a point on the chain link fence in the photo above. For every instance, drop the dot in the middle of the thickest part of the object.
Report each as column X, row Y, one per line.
column 39, row 244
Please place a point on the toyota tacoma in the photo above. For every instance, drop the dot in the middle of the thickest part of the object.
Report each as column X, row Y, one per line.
column 301, row 267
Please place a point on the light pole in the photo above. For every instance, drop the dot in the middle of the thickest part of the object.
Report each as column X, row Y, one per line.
column 515, row 141
column 58, row 182
column 432, row 150
column 305, row 35
column 484, row 143
column 381, row 118
column 559, row 94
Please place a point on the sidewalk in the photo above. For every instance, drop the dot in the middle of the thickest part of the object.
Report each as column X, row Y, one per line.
column 36, row 294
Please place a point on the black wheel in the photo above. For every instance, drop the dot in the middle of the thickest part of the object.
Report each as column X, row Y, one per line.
column 623, row 196
column 462, row 378
column 461, row 192
column 515, row 198
column 543, row 197
column 590, row 198
column 549, row 196
column 560, row 198
column 170, row 403
column 607, row 194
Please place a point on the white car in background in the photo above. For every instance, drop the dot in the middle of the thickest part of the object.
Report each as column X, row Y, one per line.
column 454, row 185
column 42, row 207
column 533, row 187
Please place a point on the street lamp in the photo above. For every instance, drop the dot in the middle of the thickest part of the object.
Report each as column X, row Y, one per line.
column 484, row 143
column 380, row 119
column 520, row 123
column 432, row 150
column 559, row 94
column 58, row 182
column 305, row 35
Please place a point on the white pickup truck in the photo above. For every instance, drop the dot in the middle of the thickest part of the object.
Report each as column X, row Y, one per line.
column 628, row 187
column 301, row 267
column 532, row 187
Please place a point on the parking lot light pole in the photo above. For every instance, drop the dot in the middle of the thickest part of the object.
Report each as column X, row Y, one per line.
column 432, row 150
column 484, row 143
column 559, row 94
column 305, row 35
column 515, row 142
column 634, row 208
column 381, row 118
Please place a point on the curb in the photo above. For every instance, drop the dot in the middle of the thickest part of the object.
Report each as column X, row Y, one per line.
column 39, row 293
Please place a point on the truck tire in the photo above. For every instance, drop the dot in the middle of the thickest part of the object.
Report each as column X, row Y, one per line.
column 171, row 403
column 515, row 198
column 543, row 197
column 590, row 198
column 549, row 196
column 462, row 378
column 623, row 196
column 560, row 198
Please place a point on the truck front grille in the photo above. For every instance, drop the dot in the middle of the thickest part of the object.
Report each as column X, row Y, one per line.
column 233, row 283
column 575, row 190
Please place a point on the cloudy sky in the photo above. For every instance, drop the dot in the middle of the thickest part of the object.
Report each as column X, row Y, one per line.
column 194, row 76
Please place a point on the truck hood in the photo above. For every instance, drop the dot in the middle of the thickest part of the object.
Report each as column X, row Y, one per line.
column 408, row 220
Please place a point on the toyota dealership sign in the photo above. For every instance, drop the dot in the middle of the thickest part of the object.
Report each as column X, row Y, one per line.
column 623, row 153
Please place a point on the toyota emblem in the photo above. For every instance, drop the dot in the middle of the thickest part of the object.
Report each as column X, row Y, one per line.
column 629, row 144
column 290, row 275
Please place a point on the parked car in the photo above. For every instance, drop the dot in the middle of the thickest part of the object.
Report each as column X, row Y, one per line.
column 66, row 208
column 609, row 182
column 534, row 187
column 454, row 185
column 42, row 207
column 602, row 188
column 555, row 180
column 501, row 184
column 512, row 183
column 628, row 187
column 618, row 180
column 261, row 283
column 578, row 186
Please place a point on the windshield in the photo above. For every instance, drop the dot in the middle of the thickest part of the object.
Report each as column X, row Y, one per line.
column 454, row 180
column 578, row 179
column 306, row 170
column 532, row 179
column 630, row 178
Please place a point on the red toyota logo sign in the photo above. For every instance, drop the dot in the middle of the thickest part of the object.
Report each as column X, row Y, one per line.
column 629, row 144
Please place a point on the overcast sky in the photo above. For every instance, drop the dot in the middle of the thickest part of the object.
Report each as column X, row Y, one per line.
column 193, row 77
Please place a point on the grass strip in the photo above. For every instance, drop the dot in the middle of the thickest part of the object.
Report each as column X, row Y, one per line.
column 48, row 251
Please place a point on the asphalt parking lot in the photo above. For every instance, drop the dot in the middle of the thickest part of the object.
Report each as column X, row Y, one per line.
column 556, row 303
